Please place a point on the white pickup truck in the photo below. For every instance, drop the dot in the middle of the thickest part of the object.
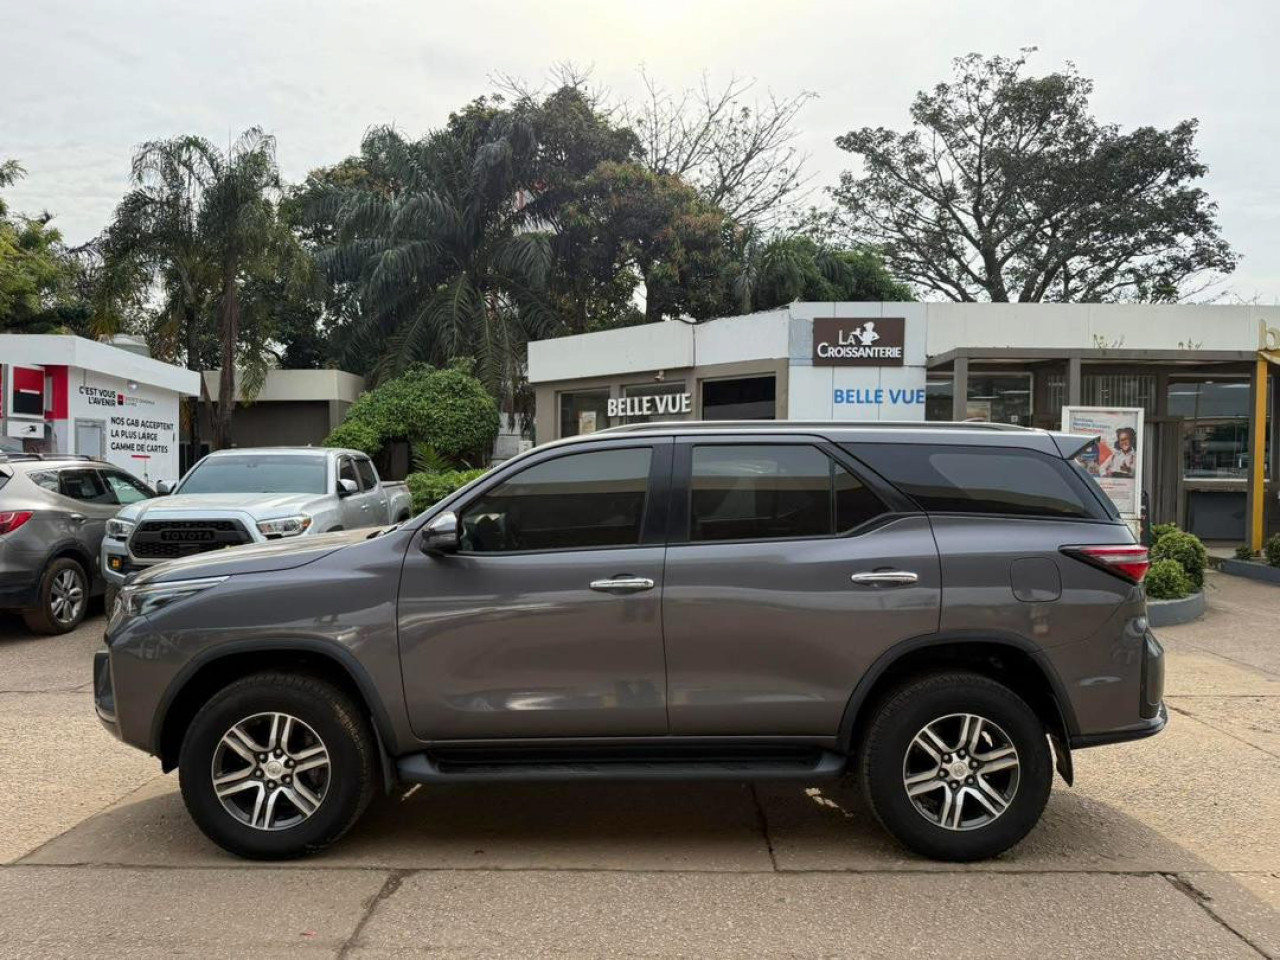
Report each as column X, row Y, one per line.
column 242, row 496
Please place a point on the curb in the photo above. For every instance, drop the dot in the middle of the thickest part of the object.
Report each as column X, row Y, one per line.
column 1250, row 570
column 1167, row 613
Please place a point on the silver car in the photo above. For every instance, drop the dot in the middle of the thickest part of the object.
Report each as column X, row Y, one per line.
column 53, row 511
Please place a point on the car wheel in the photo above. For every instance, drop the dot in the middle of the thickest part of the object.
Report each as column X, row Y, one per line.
column 277, row 766
column 109, row 599
column 956, row 766
column 63, row 598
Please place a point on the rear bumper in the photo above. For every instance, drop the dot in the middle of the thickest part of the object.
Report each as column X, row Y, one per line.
column 1151, row 709
column 18, row 590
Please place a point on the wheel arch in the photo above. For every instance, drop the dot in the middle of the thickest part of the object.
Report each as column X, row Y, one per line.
column 1007, row 658
column 204, row 676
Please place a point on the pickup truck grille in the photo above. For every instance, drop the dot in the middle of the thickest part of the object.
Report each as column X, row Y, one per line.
column 169, row 539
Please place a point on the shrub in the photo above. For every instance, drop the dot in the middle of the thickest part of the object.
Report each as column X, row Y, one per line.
column 1187, row 550
column 1166, row 580
column 429, row 488
column 1244, row 552
column 1271, row 550
column 448, row 410
column 1158, row 530
column 356, row 435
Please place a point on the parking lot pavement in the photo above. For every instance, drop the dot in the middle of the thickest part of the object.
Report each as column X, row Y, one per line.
column 1168, row 847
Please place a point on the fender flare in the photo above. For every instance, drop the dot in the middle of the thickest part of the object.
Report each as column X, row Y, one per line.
column 1066, row 714
column 342, row 658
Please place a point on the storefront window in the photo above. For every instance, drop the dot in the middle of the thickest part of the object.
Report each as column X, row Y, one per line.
column 993, row 398
column 672, row 406
column 1215, row 431
column 743, row 398
column 585, row 411
column 1105, row 390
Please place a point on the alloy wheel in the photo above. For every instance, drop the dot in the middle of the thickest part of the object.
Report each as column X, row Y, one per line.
column 66, row 596
column 271, row 771
column 961, row 771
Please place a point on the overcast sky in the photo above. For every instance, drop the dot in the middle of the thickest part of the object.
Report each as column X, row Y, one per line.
column 82, row 82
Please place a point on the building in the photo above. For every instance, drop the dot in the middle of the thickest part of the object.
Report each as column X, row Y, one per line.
column 1198, row 374
column 65, row 394
column 293, row 408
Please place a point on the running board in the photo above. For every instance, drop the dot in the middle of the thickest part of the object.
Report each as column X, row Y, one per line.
column 421, row 768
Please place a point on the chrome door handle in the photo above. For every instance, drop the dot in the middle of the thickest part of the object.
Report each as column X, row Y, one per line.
column 887, row 578
column 622, row 584
column 77, row 517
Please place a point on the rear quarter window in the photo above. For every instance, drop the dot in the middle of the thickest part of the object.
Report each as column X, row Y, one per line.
column 984, row 480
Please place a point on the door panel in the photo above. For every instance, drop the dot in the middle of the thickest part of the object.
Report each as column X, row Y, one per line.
column 770, row 638
column 522, row 634
column 521, row 646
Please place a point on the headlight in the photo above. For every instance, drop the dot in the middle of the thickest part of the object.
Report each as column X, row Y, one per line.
column 139, row 600
column 285, row 526
column 119, row 529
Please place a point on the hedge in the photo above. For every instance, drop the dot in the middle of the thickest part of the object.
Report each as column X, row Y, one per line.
column 429, row 488
column 1166, row 580
column 1187, row 550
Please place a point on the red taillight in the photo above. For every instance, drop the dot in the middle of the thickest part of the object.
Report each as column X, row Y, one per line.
column 1128, row 560
column 12, row 520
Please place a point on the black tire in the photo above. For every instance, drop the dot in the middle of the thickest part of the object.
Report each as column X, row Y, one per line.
column 333, row 717
column 903, row 715
column 42, row 618
column 109, row 595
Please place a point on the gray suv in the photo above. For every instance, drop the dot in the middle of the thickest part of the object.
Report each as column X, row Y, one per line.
column 53, row 511
column 926, row 607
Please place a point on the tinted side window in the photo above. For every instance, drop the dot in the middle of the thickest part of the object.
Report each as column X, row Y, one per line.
column 45, row 479
column 988, row 480
column 584, row 500
column 764, row 492
column 367, row 477
column 85, row 486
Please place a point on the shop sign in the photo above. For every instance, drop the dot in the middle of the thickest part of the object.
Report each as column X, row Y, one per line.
column 651, row 405
column 1115, row 461
column 859, row 343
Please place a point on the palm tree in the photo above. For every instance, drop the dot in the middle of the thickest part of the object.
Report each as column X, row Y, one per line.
column 154, row 241
column 198, row 227
column 447, row 259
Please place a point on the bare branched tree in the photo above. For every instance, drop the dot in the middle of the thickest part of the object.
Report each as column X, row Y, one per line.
column 739, row 153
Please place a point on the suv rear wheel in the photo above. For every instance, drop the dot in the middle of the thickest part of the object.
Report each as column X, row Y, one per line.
column 63, row 597
column 956, row 766
column 276, row 766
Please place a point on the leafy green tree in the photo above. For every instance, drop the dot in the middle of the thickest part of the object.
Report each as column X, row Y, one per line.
column 446, row 411
column 1007, row 188
column 769, row 272
column 38, row 275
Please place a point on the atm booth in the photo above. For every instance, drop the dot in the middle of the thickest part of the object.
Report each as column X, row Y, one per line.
column 70, row 395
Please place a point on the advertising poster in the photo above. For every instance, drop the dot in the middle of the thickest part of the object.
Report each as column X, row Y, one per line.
column 1115, row 461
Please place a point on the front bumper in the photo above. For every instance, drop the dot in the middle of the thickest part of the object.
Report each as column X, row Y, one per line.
column 116, row 563
column 104, row 693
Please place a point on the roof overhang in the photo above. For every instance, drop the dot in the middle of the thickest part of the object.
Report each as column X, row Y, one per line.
column 1097, row 355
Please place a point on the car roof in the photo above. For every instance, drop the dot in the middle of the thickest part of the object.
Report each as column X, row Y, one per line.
column 931, row 432
column 284, row 451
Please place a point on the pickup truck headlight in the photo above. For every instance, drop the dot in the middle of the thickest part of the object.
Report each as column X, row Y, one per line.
column 139, row 600
column 119, row 529
column 284, row 526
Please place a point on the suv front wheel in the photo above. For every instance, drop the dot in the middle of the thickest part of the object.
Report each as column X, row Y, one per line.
column 276, row 766
column 956, row 766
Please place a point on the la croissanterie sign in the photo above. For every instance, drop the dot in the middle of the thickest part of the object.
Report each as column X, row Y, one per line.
column 859, row 343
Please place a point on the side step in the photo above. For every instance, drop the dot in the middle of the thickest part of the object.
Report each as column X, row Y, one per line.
column 422, row 768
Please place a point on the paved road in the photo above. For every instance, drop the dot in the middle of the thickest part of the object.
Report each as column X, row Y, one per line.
column 1166, row 848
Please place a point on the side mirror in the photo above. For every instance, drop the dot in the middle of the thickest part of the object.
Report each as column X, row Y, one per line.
column 163, row 489
column 441, row 534
column 347, row 487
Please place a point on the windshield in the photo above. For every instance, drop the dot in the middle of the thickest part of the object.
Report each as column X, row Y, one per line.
column 257, row 473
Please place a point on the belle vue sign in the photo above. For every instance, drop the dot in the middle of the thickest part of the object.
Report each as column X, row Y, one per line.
column 864, row 342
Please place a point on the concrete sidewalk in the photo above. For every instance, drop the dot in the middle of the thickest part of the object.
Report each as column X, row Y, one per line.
column 1165, row 848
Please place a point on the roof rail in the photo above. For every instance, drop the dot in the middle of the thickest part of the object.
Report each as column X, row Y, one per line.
column 27, row 457
column 818, row 424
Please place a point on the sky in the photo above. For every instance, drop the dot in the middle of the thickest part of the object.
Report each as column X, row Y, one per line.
column 83, row 82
